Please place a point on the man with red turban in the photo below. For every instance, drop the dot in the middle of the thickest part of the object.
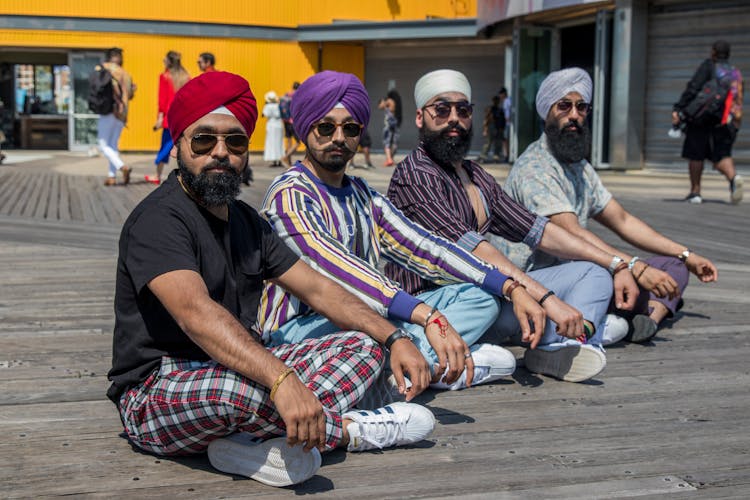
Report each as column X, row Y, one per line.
column 189, row 372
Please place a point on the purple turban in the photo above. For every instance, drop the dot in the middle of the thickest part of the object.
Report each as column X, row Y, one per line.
column 318, row 95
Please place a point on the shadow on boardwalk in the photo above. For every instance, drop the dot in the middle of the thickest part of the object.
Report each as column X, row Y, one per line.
column 667, row 418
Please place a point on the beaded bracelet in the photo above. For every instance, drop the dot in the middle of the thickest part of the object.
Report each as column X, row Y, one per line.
column 279, row 380
column 546, row 296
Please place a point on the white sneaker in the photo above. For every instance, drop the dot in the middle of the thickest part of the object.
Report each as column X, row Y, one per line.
column 393, row 425
column 615, row 329
column 491, row 362
column 571, row 363
column 272, row 462
column 735, row 189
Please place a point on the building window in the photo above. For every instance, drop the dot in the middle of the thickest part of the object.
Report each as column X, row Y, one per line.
column 42, row 89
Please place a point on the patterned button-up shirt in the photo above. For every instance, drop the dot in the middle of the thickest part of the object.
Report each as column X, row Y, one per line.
column 540, row 183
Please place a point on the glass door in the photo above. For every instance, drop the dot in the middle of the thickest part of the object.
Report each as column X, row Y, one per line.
column 533, row 57
column 82, row 123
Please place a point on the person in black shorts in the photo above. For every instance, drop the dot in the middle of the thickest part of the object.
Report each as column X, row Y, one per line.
column 291, row 139
column 711, row 141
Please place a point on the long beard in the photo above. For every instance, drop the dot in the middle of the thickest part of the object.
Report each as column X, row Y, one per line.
column 212, row 190
column 568, row 145
column 445, row 150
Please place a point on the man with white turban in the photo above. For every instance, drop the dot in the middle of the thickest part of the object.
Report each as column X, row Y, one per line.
column 189, row 372
column 553, row 178
column 343, row 228
column 438, row 188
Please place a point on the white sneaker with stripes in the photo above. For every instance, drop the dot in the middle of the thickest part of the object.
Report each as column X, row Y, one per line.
column 393, row 425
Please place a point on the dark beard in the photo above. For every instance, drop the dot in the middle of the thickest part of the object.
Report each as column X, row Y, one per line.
column 566, row 145
column 444, row 150
column 212, row 190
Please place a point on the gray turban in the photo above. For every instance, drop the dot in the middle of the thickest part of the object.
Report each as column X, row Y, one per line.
column 558, row 84
column 439, row 82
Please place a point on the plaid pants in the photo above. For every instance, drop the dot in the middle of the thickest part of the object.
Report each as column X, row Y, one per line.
column 186, row 404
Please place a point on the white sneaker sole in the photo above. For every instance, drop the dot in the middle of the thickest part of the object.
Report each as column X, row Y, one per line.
column 271, row 462
column 572, row 363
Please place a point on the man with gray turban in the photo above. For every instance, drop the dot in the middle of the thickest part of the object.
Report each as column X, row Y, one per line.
column 438, row 188
column 553, row 178
column 342, row 228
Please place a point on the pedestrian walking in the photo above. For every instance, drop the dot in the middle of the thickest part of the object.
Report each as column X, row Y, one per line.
column 170, row 81
column 711, row 125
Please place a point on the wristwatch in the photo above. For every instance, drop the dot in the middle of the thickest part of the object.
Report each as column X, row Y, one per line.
column 684, row 255
column 400, row 333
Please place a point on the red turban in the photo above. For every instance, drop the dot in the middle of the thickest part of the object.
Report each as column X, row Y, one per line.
column 207, row 92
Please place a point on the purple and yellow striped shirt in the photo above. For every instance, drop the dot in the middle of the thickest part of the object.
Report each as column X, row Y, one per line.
column 344, row 232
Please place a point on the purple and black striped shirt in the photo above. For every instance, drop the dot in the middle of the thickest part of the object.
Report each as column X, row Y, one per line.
column 434, row 197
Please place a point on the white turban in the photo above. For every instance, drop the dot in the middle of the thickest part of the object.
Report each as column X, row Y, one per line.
column 558, row 84
column 438, row 82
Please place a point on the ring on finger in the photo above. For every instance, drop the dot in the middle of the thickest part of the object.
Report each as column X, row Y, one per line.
column 467, row 355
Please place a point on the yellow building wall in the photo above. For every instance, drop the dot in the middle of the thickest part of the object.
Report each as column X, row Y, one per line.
column 288, row 13
column 267, row 65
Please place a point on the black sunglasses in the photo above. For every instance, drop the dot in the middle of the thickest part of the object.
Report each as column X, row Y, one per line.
column 566, row 106
column 202, row 144
column 443, row 109
column 327, row 129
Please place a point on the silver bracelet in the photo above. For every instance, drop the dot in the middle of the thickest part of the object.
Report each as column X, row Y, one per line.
column 613, row 265
column 632, row 262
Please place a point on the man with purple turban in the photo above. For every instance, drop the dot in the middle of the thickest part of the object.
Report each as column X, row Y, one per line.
column 342, row 228
column 553, row 178
column 190, row 373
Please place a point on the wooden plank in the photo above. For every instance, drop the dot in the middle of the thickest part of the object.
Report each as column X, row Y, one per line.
column 33, row 197
column 13, row 203
column 43, row 202
column 63, row 212
column 74, row 200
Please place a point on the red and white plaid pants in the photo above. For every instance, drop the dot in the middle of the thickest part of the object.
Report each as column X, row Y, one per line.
column 186, row 404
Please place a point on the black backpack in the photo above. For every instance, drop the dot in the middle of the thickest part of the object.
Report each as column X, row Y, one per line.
column 101, row 91
column 707, row 107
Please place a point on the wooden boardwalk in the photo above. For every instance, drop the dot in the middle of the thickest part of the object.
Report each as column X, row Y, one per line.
column 670, row 418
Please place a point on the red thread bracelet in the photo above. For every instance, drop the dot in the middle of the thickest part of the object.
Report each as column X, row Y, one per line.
column 443, row 326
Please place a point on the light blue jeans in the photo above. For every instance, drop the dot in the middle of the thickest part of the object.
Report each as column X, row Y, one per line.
column 469, row 309
column 582, row 285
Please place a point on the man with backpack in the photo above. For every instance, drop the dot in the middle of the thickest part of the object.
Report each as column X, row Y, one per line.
column 711, row 109
column 111, row 89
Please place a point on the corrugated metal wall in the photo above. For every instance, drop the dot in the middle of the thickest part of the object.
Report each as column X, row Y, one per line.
column 679, row 39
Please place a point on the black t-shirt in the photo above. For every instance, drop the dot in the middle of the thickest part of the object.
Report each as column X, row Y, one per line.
column 166, row 232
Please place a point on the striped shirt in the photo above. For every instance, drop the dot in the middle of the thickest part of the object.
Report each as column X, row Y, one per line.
column 344, row 232
column 434, row 197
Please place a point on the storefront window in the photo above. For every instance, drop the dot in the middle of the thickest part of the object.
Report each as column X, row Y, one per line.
column 42, row 89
